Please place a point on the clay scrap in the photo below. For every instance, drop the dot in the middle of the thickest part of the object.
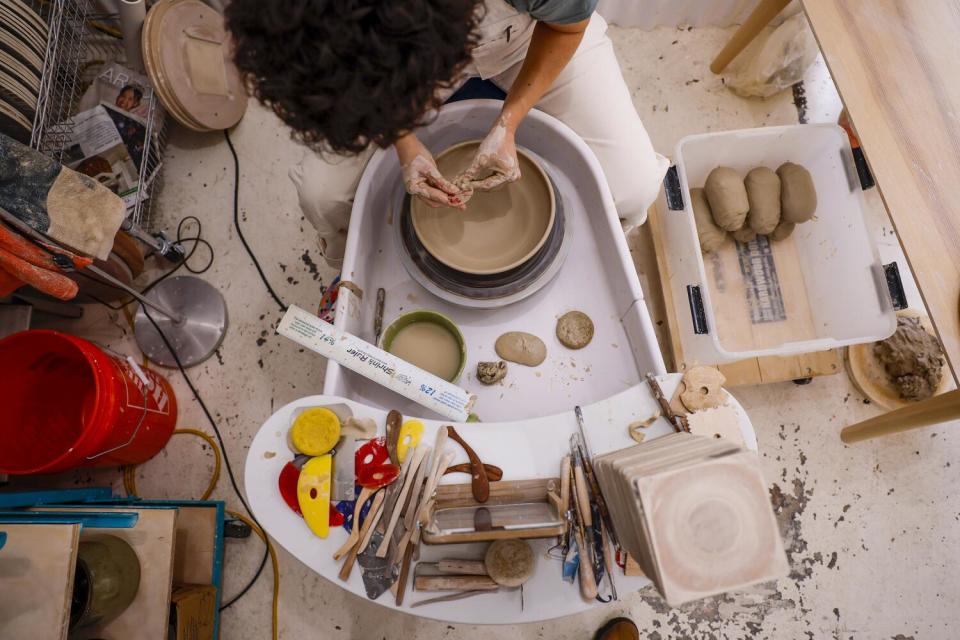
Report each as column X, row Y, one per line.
column 491, row 372
column 912, row 358
column 703, row 389
column 522, row 348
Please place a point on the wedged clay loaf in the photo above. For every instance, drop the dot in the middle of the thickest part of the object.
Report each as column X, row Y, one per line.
column 575, row 329
column 798, row 197
column 522, row 348
column 912, row 358
column 744, row 235
column 491, row 372
column 783, row 230
column 763, row 193
column 710, row 235
column 727, row 197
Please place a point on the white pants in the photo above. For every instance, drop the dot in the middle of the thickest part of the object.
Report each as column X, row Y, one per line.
column 590, row 96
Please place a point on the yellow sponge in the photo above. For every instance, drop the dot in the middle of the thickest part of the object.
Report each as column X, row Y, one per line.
column 315, row 431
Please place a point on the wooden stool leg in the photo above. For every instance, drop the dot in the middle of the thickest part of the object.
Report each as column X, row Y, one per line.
column 754, row 24
column 935, row 410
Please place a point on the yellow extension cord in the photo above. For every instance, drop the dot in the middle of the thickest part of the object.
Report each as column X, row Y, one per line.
column 130, row 485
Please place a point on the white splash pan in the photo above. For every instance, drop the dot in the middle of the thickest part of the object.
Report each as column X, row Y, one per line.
column 598, row 278
column 523, row 449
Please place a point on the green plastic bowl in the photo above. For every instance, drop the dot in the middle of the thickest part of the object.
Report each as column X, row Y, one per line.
column 425, row 315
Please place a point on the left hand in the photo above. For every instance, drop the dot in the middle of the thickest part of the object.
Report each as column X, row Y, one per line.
column 495, row 164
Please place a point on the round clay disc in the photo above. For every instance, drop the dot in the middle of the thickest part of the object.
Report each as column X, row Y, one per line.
column 575, row 329
column 500, row 230
column 509, row 562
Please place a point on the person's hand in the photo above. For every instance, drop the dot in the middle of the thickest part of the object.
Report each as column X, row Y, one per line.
column 421, row 177
column 494, row 165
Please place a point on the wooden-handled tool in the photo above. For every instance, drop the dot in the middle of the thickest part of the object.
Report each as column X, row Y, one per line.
column 480, row 483
column 582, row 493
column 462, row 567
column 374, row 515
column 454, row 583
column 367, row 526
column 588, row 584
column 394, row 422
column 354, row 538
column 494, row 473
column 418, row 456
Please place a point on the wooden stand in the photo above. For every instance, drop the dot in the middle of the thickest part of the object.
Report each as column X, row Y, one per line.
column 751, row 371
column 766, row 11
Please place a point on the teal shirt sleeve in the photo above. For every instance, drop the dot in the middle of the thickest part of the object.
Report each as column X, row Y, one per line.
column 556, row 11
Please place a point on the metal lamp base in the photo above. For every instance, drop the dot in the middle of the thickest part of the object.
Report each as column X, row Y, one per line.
column 200, row 329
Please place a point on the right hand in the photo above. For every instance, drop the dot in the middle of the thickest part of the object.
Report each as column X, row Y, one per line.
column 422, row 178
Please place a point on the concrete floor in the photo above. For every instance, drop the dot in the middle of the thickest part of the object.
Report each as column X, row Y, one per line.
column 870, row 529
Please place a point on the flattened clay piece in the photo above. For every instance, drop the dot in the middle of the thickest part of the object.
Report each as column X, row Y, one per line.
column 704, row 388
column 763, row 193
column 522, row 348
column 635, row 429
column 710, row 235
column 491, row 372
column 912, row 358
column 509, row 562
column 798, row 196
column 575, row 329
column 727, row 197
column 783, row 231
column 744, row 235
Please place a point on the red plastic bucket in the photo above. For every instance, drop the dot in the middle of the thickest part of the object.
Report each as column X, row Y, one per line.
column 65, row 402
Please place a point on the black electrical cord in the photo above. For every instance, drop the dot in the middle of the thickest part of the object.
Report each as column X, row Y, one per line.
column 223, row 449
column 236, row 221
column 185, row 263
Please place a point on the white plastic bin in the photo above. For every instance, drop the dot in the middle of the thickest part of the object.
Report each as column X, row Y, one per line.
column 822, row 288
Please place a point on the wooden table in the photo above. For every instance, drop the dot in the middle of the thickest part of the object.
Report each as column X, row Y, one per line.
column 894, row 63
column 895, row 66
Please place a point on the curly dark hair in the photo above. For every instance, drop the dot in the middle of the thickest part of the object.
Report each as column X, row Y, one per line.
column 344, row 74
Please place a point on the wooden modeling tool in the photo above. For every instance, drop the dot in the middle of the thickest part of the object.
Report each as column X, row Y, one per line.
column 459, row 595
column 494, row 473
column 394, row 422
column 374, row 515
column 479, row 480
column 395, row 516
column 354, row 537
column 462, row 567
column 378, row 315
column 367, row 526
column 678, row 421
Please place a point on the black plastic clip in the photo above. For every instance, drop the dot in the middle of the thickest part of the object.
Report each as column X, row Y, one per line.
column 697, row 314
column 895, row 286
column 671, row 186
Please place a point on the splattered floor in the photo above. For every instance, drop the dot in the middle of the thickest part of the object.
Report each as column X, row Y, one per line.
column 872, row 530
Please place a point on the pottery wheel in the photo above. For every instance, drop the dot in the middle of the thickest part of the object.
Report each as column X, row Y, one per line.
column 483, row 291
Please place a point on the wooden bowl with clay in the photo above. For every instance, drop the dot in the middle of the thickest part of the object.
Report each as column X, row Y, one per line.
column 500, row 230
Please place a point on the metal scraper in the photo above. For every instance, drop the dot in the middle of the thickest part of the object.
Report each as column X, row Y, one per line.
column 376, row 572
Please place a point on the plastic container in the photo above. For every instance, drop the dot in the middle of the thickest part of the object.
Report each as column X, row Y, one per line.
column 67, row 403
column 822, row 288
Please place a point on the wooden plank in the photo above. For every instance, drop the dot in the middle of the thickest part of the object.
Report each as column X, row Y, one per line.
column 895, row 66
column 751, row 371
column 37, row 566
column 152, row 538
column 673, row 326
column 194, row 550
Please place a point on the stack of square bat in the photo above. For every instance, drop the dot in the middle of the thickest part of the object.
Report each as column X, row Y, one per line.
column 695, row 514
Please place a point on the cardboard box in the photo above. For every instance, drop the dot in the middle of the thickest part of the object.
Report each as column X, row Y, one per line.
column 192, row 612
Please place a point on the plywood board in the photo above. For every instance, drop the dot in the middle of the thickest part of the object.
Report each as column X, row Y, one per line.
column 729, row 303
column 194, row 552
column 37, row 565
column 152, row 538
